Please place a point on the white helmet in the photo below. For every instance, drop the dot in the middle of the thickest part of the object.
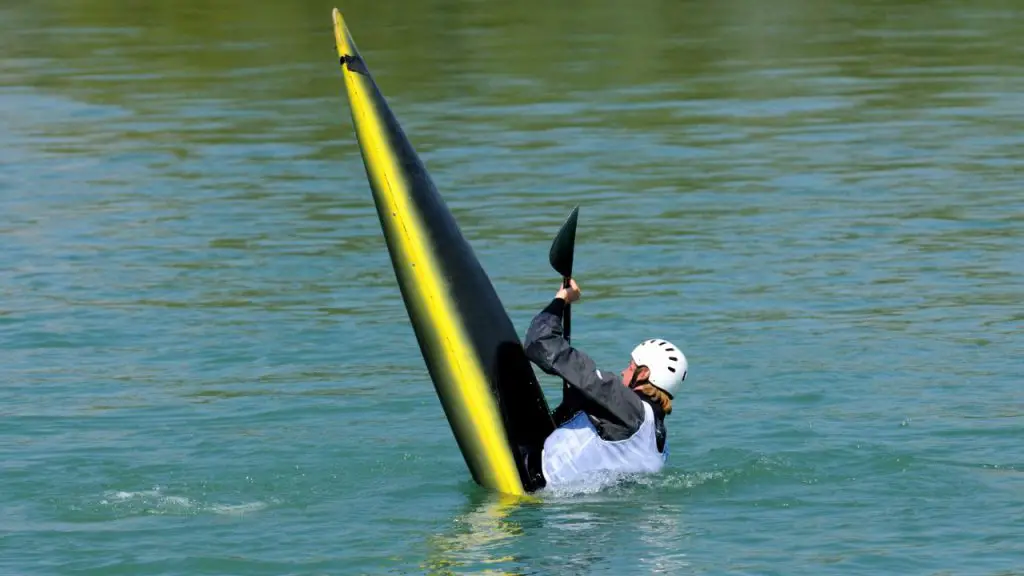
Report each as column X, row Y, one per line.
column 666, row 362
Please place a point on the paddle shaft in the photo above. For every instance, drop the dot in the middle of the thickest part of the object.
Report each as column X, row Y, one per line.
column 566, row 315
column 566, row 328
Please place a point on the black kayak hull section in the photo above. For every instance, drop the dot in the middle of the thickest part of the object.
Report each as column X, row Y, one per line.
column 487, row 387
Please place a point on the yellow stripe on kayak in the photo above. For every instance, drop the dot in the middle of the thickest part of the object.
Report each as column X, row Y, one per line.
column 460, row 365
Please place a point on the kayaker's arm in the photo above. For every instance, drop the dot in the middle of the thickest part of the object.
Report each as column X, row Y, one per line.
column 617, row 408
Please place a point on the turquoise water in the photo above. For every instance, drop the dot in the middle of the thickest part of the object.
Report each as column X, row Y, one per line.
column 206, row 366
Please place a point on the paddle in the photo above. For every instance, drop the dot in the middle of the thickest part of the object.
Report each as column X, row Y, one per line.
column 562, row 249
column 560, row 256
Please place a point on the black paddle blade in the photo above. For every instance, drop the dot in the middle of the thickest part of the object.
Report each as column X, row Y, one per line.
column 564, row 245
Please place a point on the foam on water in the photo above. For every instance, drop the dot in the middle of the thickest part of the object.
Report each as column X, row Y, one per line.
column 158, row 503
column 628, row 483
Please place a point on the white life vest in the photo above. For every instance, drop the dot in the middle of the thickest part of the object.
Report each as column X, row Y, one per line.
column 575, row 452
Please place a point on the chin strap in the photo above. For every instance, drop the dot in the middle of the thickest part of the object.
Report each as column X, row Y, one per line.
column 633, row 380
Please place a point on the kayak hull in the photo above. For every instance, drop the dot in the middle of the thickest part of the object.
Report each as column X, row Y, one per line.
column 485, row 384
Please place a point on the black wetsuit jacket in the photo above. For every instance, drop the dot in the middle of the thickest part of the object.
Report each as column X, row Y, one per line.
column 615, row 410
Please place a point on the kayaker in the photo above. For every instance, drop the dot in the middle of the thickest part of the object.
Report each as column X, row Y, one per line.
column 613, row 423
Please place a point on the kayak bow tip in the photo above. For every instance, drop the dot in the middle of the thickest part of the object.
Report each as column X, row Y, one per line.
column 342, row 38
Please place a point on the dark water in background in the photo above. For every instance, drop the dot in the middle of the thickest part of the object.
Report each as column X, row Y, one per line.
column 206, row 367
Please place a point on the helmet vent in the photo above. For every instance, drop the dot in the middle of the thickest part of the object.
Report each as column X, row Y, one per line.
column 671, row 368
column 673, row 358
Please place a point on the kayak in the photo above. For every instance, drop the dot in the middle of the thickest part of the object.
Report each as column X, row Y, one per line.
column 487, row 388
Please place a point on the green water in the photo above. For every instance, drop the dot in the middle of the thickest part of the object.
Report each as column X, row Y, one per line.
column 206, row 366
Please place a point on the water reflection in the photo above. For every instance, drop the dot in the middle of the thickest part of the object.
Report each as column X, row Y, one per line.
column 479, row 538
column 642, row 524
column 663, row 534
column 636, row 524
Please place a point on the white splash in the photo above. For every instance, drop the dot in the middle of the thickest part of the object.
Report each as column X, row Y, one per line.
column 238, row 509
column 156, row 502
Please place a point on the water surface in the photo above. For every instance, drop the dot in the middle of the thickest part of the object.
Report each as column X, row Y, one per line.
column 206, row 366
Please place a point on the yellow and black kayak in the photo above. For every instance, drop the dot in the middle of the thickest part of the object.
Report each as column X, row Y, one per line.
column 488, row 389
